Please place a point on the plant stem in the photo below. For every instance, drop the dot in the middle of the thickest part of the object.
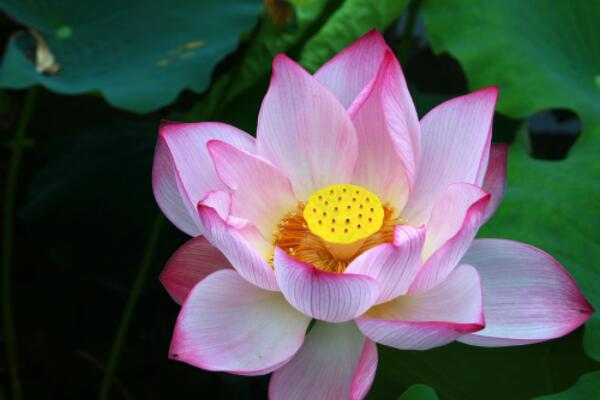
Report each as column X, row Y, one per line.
column 7, row 242
column 115, row 352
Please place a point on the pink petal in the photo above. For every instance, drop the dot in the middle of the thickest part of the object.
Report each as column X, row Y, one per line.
column 227, row 324
column 230, row 239
column 365, row 372
column 428, row 319
column 495, row 177
column 348, row 73
column 334, row 363
column 387, row 128
column 324, row 295
column 261, row 193
column 169, row 193
column 528, row 296
column 449, row 213
column 455, row 140
column 183, row 172
column 402, row 119
column 394, row 265
column 191, row 263
column 305, row 131
column 220, row 201
column 454, row 222
column 482, row 169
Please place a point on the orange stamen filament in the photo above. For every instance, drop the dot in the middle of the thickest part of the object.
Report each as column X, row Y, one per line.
column 333, row 252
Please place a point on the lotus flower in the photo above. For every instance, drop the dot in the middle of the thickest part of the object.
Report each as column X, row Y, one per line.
column 348, row 211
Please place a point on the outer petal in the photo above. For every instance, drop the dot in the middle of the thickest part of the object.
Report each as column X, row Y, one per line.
column 324, row 295
column 227, row 324
column 454, row 222
column 429, row 319
column 394, row 265
column 528, row 296
column 455, row 140
column 365, row 373
column 183, row 173
column 261, row 193
column 230, row 239
column 191, row 263
column 495, row 177
column 387, row 128
column 336, row 362
column 348, row 73
column 305, row 131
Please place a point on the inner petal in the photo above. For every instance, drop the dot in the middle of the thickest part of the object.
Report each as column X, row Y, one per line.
column 336, row 224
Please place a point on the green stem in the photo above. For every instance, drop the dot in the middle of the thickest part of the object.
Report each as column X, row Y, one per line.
column 7, row 242
column 150, row 247
column 115, row 352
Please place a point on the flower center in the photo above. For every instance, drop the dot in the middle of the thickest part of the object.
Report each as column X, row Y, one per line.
column 336, row 224
column 343, row 216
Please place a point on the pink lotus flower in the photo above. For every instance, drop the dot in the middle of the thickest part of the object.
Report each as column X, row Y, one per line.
column 348, row 210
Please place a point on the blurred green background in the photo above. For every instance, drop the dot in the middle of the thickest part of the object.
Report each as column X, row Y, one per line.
column 84, row 84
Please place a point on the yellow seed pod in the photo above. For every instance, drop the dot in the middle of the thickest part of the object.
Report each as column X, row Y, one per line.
column 343, row 214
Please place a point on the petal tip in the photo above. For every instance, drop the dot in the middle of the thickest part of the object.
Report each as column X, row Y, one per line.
column 489, row 91
column 216, row 203
column 285, row 65
column 165, row 123
column 470, row 328
column 163, row 278
column 545, row 287
column 214, row 145
column 167, row 127
column 282, row 59
column 174, row 345
column 375, row 35
column 586, row 308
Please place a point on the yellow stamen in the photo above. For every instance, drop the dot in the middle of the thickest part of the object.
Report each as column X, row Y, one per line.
column 343, row 216
column 302, row 236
